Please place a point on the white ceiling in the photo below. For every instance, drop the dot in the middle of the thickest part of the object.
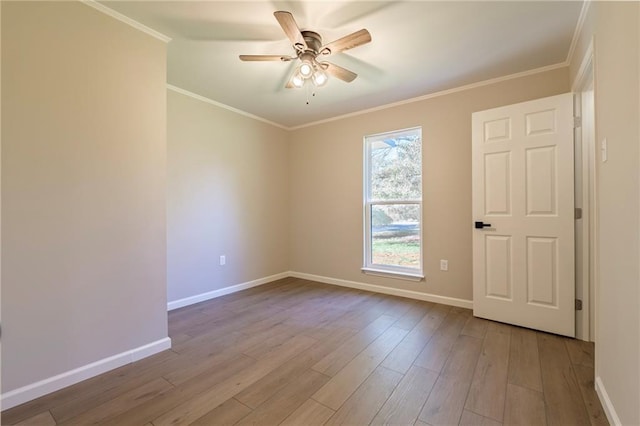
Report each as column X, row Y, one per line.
column 417, row 48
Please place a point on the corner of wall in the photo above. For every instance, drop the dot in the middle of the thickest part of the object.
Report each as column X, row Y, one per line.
column 83, row 196
column 607, row 405
column 68, row 378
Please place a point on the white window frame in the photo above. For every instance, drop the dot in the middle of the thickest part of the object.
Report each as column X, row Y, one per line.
column 413, row 274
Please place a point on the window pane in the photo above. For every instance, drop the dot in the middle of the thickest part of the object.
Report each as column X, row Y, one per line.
column 396, row 167
column 395, row 235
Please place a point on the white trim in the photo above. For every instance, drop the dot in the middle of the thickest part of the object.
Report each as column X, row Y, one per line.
column 586, row 67
column 437, row 94
column 393, row 274
column 52, row 384
column 369, row 267
column 221, row 105
column 35, row 390
column 180, row 303
column 576, row 33
column 122, row 18
column 378, row 108
column 141, row 27
column 586, row 138
column 391, row 202
column 149, row 349
column 609, row 409
column 444, row 300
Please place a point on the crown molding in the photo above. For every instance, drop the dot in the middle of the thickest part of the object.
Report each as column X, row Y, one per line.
column 576, row 33
column 437, row 94
column 581, row 19
column 378, row 108
column 224, row 106
column 120, row 17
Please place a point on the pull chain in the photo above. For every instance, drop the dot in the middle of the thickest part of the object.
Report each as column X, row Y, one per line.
column 313, row 94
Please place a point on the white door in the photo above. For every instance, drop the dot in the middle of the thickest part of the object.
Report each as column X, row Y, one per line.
column 523, row 250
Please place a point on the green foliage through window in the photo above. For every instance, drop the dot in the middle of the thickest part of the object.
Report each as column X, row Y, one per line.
column 396, row 169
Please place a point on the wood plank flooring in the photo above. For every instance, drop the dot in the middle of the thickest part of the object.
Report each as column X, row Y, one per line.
column 296, row 352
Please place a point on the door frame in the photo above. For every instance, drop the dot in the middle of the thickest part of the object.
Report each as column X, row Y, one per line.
column 585, row 177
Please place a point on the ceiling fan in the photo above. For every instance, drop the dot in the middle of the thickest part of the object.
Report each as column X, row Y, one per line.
column 309, row 49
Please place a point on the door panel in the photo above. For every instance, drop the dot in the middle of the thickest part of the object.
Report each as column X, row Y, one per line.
column 523, row 263
column 541, row 181
column 542, row 265
column 498, row 267
column 497, row 191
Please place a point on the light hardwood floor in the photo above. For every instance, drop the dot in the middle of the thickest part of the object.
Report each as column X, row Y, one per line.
column 296, row 352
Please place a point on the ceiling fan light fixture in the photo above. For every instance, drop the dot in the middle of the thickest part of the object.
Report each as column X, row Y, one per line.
column 305, row 69
column 319, row 78
column 297, row 80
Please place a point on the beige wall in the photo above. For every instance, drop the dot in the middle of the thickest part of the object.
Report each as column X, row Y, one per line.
column 326, row 184
column 227, row 195
column 83, row 189
column 84, row 173
column 614, row 27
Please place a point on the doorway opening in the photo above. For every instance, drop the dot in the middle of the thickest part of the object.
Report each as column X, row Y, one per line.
column 585, row 198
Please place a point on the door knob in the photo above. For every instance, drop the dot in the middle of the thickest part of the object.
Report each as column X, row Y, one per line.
column 480, row 225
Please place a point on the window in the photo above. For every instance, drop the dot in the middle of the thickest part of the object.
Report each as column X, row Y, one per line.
column 393, row 203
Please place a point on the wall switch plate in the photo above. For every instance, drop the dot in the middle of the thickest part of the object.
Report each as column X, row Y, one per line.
column 444, row 265
column 603, row 150
column 223, row 260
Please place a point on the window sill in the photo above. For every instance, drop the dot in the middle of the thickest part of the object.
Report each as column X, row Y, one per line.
column 394, row 274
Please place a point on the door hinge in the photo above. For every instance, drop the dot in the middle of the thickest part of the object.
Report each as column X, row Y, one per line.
column 578, row 305
column 578, row 213
column 577, row 122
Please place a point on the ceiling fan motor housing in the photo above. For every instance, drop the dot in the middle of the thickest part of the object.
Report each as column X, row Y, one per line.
column 313, row 40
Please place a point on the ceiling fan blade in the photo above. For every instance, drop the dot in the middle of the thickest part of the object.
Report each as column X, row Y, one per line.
column 290, row 28
column 347, row 42
column 285, row 81
column 283, row 58
column 289, row 84
column 339, row 72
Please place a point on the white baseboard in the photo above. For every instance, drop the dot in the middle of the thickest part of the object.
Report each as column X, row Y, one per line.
column 68, row 378
column 444, row 300
column 451, row 301
column 35, row 390
column 609, row 409
column 175, row 304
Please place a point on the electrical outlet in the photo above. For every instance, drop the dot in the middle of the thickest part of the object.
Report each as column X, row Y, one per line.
column 444, row 265
column 223, row 260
